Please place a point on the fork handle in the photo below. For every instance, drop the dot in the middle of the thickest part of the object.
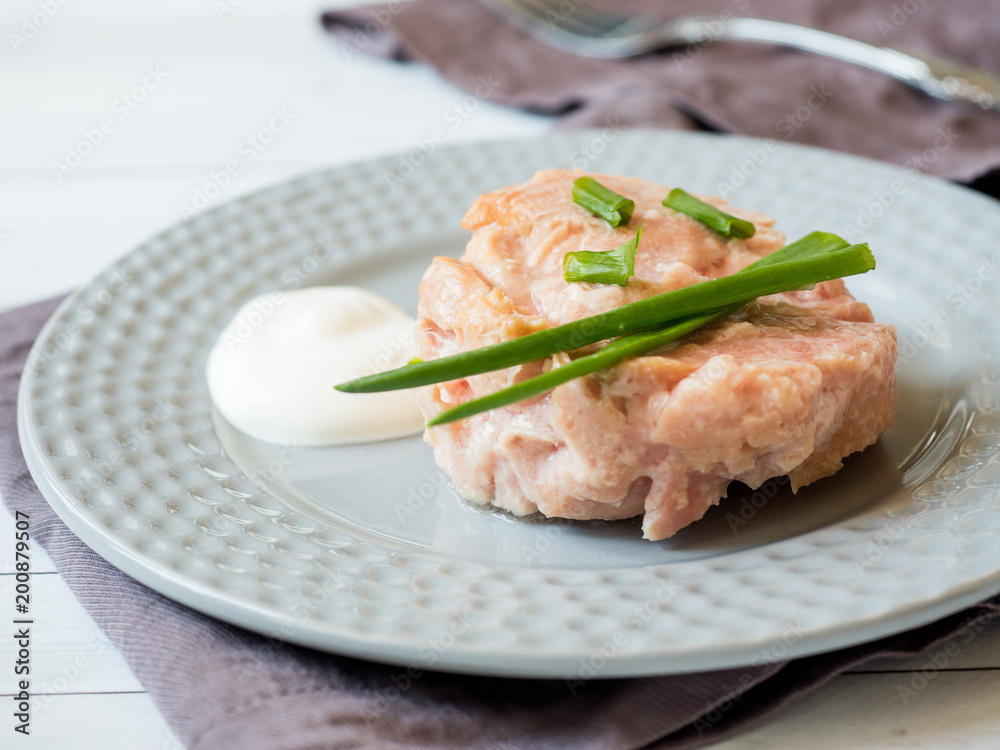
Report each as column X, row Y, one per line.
column 939, row 78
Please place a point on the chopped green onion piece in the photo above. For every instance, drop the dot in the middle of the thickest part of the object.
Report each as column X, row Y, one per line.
column 816, row 257
column 709, row 215
column 605, row 267
column 593, row 196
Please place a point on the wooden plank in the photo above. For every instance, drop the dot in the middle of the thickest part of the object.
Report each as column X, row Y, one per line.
column 193, row 10
column 102, row 220
column 69, row 653
column 130, row 721
column 218, row 85
column 867, row 712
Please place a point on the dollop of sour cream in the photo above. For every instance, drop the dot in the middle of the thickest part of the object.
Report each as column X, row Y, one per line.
column 272, row 371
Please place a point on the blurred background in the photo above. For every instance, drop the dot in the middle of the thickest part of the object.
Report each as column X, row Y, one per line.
column 181, row 87
column 116, row 115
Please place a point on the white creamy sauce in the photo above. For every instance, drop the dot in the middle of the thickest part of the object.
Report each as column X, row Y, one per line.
column 272, row 371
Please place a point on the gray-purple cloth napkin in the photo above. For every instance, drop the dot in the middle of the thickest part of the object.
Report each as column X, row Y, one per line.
column 223, row 688
column 751, row 89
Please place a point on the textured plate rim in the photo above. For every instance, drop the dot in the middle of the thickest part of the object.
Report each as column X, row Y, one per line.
column 262, row 620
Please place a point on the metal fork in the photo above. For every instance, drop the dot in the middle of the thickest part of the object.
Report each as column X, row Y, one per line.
column 576, row 26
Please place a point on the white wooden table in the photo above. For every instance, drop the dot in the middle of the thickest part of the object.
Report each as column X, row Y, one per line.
column 178, row 86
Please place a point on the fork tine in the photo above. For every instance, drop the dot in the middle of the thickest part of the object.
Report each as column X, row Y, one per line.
column 569, row 16
column 581, row 16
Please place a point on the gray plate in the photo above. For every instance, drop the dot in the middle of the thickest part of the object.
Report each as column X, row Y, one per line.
column 367, row 550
